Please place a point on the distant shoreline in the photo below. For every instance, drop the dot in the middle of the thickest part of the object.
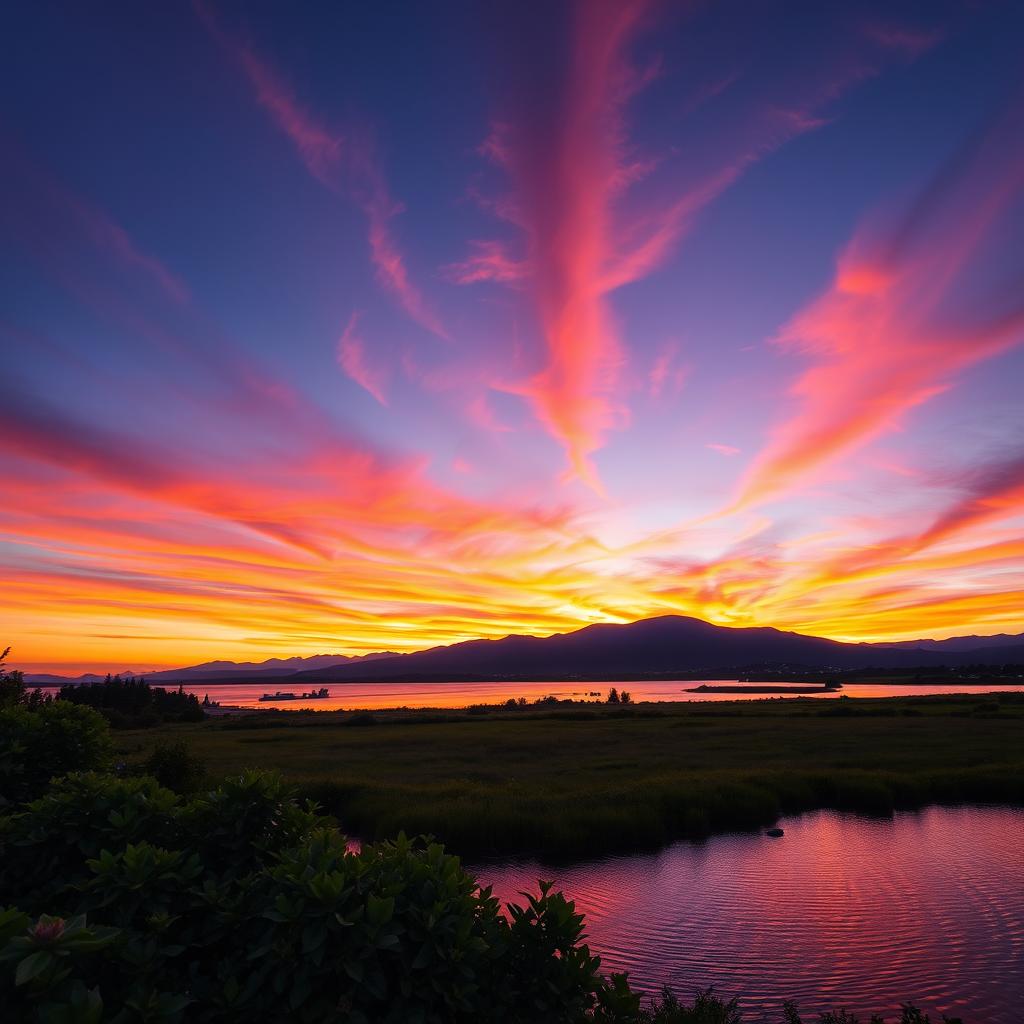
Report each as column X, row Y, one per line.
column 785, row 686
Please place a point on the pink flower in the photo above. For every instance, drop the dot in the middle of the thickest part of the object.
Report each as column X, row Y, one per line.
column 48, row 930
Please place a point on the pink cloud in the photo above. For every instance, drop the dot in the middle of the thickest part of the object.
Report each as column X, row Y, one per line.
column 106, row 234
column 723, row 449
column 664, row 375
column 480, row 413
column 566, row 174
column 353, row 360
column 343, row 163
column 320, row 148
column 572, row 172
column 908, row 39
column 882, row 339
column 488, row 261
column 370, row 192
column 993, row 491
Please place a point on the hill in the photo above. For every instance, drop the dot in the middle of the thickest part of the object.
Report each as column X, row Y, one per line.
column 664, row 646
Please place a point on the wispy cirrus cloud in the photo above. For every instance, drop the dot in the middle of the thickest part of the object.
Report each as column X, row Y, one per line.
column 885, row 338
column 487, row 261
column 354, row 361
column 667, row 376
column 567, row 168
column 44, row 213
column 574, row 174
column 345, row 162
column 991, row 492
column 723, row 449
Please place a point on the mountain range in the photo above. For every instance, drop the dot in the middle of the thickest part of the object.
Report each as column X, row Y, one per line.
column 657, row 647
column 222, row 671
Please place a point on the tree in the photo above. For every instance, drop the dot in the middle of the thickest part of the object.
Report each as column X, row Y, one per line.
column 625, row 697
column 12, row 684
column 613, row 696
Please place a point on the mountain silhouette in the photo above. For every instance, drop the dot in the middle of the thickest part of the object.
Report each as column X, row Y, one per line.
column 663, row 646
column 660, row 646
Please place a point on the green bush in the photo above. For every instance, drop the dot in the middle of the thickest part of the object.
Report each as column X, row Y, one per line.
column 707, row 1008
column 242, row 905
column 175, row 767
column 46, row 846
column 40, row 743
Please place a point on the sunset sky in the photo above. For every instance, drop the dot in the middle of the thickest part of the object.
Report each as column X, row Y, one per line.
column 350, row 327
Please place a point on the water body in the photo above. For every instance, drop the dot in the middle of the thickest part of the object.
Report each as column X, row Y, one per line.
column 841, row 911
column 369, row 696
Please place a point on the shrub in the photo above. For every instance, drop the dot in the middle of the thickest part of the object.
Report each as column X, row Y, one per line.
column 175, row 767
column 707, row 1008
column 40, row 743
column 361, row 719
column 45, row 847
column 909, row 1014
column 242, row 905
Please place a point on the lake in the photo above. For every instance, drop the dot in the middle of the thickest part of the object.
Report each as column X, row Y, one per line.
column 841, row 911
column 369, row 696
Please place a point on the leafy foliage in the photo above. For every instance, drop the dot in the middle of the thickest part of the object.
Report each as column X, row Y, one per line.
column 40, row 743
column 133, row 703
column 242, row 905
column 12, row 687
column 909, row 1014
column 707, row 1008
column 175, row 767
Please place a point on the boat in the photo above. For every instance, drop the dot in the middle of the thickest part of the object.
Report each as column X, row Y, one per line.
column 755, row 688
column 322, row 694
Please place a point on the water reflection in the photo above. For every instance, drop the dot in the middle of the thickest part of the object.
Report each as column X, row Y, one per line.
column 366, row 696
column 841, row 911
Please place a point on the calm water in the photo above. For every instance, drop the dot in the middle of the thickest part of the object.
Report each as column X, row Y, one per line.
column 367, row 696
column 842, row 910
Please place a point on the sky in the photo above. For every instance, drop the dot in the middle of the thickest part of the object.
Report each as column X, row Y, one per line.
column 353, row 327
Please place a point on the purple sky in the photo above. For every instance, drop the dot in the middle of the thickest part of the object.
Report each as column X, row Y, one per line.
column 349, row 327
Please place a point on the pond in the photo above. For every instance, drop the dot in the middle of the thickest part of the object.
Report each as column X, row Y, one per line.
column 840, row 911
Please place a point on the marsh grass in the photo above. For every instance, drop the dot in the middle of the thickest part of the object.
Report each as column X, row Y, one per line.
column 563, row 785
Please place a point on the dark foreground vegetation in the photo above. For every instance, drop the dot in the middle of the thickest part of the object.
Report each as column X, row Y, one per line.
column 131, row 703
column 581, row 780
column 122, row 900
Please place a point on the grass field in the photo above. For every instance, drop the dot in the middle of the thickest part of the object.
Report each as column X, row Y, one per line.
column 581, row 781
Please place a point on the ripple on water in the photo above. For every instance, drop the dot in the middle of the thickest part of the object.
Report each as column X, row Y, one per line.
column 843, row 910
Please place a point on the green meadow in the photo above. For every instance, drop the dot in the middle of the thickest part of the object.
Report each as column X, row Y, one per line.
column 584, row 780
